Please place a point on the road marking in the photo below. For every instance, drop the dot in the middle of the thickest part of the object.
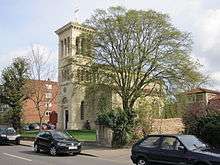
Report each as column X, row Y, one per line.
column 29, row 160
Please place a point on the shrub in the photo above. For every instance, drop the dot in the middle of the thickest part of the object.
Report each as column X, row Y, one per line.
column 119, row 122
column 209, row 129
column 204, row 123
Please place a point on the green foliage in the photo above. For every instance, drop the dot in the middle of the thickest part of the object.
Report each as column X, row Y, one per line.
column 204, row 123
column 208, row 128
column 141, row 48
column 13, row 80
column 119, row 122
column 138, row 53
column 172, row 110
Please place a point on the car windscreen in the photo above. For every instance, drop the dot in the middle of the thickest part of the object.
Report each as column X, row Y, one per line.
column 11, row 131
column 2, row 131
column 191, row 142
column 60, row 135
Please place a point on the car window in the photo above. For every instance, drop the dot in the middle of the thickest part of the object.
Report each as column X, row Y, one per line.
column 151, row 142
column 44, row 135
column 60, row 135
column 40, row 134
column 170, row 143
column 11, row 131
column 2, row 130
column 47, row 135
column 191, row 142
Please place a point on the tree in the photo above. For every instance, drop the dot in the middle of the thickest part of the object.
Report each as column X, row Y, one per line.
column 12, row 94
column 37, row 89
column 141, row 49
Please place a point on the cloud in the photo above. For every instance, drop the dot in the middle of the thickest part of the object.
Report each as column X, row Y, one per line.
column 209, row 33
column 48, row 55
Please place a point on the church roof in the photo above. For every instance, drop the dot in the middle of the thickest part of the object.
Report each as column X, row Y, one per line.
column 74, row 25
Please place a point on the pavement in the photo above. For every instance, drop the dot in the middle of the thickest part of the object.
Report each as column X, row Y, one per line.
column 13, row 155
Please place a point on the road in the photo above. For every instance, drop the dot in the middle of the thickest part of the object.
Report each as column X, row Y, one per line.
column 22, row 155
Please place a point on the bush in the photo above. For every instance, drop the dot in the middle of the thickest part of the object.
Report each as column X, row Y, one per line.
column 119, row 122
column 203, row 123
column 208, row 129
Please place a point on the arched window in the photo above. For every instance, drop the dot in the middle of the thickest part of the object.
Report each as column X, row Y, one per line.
column 82, row 110
column 64, row 101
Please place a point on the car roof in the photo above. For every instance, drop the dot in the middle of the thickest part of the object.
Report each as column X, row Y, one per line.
column 168, row 135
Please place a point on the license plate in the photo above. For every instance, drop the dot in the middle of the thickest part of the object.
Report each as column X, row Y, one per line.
column 11, row 137
column 73, row 148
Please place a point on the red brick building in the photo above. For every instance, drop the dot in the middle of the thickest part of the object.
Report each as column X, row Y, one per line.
column 42, row 99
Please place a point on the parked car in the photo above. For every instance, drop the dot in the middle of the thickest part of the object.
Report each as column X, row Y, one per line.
column 173, row 149
column 34, row 126
column 26, row 128
column 56, row 142
column 9, row 135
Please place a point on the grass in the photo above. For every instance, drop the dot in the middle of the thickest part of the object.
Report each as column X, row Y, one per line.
column 81, row 135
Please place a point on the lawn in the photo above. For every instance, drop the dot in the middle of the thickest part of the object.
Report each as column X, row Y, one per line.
column 81, row 135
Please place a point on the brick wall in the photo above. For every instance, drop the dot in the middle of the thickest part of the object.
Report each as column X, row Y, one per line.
column 167, row 126
column 30, row 114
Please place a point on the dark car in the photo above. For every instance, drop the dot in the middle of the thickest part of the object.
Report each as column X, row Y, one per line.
column 56, row 142
column 173, row 149
column 34, row 126
column 9, row 135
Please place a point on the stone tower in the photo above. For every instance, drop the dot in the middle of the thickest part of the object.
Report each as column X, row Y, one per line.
column 72, row 109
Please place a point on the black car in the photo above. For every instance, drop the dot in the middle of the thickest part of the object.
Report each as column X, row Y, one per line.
column 56, row 142
column 9, row 135
column 173, row 149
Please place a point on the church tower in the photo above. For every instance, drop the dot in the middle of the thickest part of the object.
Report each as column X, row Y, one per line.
column 73, row 56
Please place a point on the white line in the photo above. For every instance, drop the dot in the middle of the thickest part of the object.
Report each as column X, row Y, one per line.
column 17, row 157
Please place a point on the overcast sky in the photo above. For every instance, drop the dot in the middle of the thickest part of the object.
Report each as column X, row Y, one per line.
column 27, row 22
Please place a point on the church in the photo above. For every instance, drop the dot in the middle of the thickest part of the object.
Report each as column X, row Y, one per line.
column 77, row 105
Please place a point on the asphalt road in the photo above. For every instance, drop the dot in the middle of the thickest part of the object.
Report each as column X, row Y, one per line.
column 22, row 155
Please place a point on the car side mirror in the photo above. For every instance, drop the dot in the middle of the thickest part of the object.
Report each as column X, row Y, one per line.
column 181, row 148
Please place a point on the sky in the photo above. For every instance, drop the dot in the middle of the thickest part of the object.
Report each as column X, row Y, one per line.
column 32, row 22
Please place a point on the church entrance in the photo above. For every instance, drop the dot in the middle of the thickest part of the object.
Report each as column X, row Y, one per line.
column 66, row 119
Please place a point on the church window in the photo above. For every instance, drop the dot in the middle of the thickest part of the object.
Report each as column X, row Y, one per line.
column 77, row 45
column 82, row 110
column 65, row 47
column 61, row 51
column 64, row 101
column 68, row 45
column 82, row 75
column 83, row 45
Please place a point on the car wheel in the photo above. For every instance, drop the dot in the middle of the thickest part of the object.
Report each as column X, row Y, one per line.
column 36, row 148
column 17, row 141
column 142, row 161
column 53, row 151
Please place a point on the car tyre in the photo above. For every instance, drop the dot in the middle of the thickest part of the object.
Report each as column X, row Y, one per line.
column 142, row 161
column 17, row 142
column 53, row 151
column 36, row 148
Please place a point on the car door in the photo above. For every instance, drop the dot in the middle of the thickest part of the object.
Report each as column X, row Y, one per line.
column 172, row 152
column 149, row 148
column 44, row 139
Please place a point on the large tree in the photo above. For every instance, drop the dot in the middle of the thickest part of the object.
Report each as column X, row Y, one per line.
column 12, row 94
column 141, row 49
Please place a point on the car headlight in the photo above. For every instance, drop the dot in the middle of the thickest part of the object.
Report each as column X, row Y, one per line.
column 61, row 144
column 79, row 144
column 3, row 135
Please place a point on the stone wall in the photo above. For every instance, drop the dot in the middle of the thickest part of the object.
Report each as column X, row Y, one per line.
column 167, row 126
